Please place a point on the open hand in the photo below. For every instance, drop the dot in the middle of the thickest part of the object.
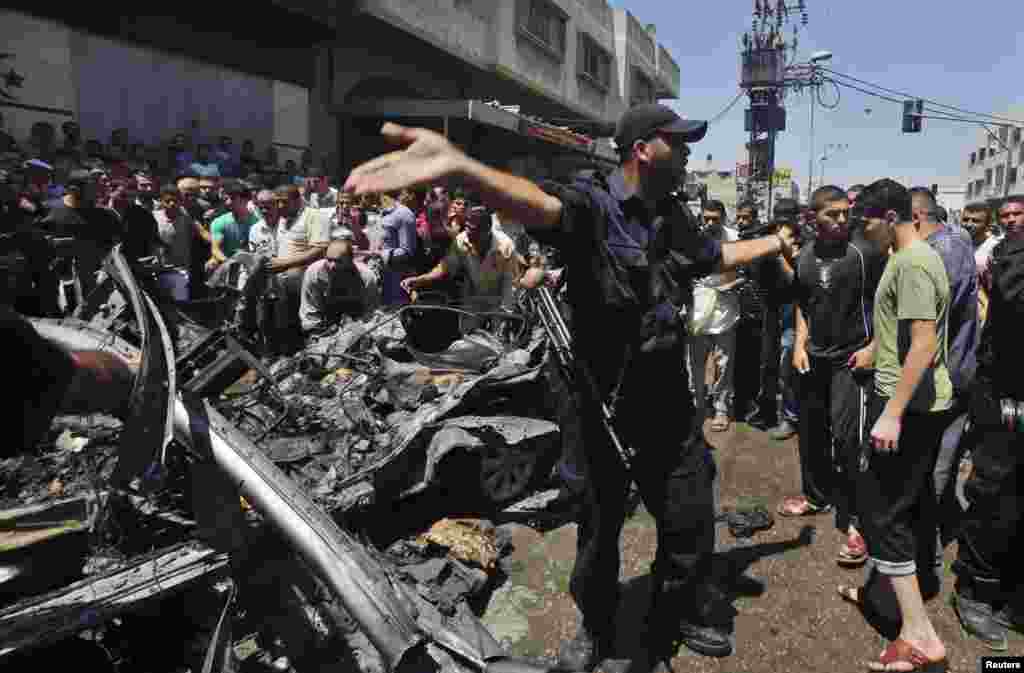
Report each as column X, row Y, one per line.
column 428, row 157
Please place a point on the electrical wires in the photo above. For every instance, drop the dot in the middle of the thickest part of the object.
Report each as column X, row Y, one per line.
column 728, row 107
column 879, row 91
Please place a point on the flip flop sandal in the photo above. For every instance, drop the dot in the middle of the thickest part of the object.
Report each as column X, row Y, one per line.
column 852, row 556
column 794, row 506
column 900, row 651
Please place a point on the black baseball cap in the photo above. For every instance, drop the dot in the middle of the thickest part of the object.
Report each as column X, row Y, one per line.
column 642, row 121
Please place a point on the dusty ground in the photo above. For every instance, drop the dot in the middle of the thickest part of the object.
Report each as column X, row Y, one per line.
column 797, row 623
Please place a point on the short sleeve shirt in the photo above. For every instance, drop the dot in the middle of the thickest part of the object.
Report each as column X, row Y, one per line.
column 310, row 228
column 914, row 286
column 834, row 286
column 624, row 262
column 489, row 276
column 231, row 233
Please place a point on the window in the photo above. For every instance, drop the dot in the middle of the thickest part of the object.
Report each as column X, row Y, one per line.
column 1020, row 156
column 1011, row 176
column 970, row 189
column 543, row 22
column 1016, row 135
column 973, row 156
column 979, row 186
column 988, row 176
column 642, row 90
column 999, row 175
column 1004, row 133
column 593, row 62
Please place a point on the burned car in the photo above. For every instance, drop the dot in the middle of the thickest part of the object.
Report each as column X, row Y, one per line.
column 233, row 472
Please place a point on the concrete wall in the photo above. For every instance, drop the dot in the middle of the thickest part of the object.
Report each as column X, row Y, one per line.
column 42, row 55
column 460, row 26
column 109, row 84
column 486, row 35
column 155, row 95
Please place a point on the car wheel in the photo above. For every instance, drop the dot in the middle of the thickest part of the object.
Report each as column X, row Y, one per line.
column 506, row 472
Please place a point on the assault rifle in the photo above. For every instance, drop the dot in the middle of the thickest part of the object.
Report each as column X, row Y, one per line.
column 561, row 342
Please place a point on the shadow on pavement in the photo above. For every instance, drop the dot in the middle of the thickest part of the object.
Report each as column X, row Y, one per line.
column 729, row 581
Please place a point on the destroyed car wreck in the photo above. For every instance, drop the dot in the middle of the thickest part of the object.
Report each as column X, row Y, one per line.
column 226, row 484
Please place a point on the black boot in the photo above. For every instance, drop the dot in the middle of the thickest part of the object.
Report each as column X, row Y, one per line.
column 1011, row 615
column 686, row 617
column 585, row 651
column 972, row 601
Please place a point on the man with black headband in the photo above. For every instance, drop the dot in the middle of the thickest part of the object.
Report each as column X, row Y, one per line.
column 631, row 252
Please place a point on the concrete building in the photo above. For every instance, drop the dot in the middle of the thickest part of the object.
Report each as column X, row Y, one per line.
column 989, row 169
column 326, row 74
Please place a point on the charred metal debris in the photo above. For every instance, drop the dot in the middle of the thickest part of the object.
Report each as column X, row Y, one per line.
column 232, row 512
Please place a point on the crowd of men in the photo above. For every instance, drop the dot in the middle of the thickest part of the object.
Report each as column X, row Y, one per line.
column 327, row 254
column 865, row 323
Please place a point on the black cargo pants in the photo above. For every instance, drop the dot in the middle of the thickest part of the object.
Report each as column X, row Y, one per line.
column 674, row 471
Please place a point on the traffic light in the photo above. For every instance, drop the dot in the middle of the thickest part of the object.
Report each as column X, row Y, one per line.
column 912, row 111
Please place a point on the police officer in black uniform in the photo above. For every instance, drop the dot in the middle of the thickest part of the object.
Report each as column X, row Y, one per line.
column 631, row 252
column 989, row 595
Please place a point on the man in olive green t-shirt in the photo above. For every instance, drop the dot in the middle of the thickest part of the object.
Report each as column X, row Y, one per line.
column 909, row 408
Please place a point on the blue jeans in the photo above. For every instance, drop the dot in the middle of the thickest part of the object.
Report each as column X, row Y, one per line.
column 790, row 405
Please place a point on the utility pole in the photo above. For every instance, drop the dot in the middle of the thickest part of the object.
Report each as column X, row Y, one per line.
column 763, row 63
column 810, row 156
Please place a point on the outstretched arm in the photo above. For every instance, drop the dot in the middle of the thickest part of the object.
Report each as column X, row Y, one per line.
column 428, row 157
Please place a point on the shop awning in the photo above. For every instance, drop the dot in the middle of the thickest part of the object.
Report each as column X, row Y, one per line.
column 478, row 111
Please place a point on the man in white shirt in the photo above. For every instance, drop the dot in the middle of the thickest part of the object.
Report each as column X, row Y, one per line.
column 977, row 220
column 713, row 325
column 302, row 237
column 175, row 228
column 332, row 287
column 263, row 234
column 485, row 257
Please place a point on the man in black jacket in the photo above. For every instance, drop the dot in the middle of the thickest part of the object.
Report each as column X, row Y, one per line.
column 631, row 252
column 989, row 594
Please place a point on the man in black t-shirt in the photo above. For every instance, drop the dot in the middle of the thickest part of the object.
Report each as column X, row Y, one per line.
column 631, row 252
column 95, row 229
column 52, row 380
column 834, row 284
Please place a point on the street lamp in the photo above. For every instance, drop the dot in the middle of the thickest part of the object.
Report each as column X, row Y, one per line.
column 830, row 151
column 816, row 58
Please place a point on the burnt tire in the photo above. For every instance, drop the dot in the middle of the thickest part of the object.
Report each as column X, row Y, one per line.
column 507, row 472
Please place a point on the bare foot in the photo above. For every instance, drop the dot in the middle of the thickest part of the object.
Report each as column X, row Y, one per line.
column 911, row 655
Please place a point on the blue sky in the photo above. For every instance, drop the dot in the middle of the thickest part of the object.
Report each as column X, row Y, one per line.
column 965, row 54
